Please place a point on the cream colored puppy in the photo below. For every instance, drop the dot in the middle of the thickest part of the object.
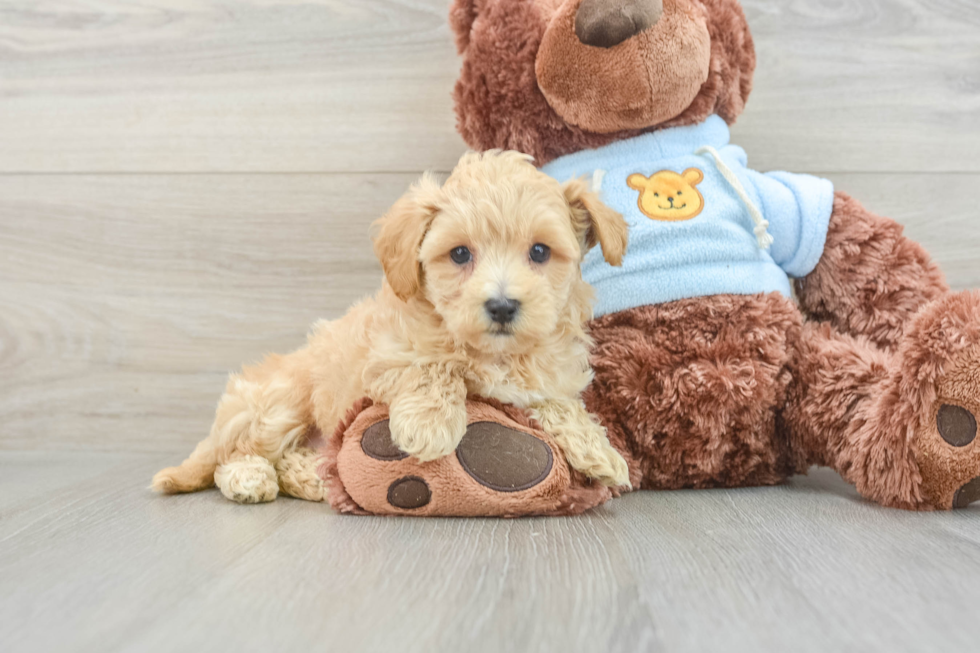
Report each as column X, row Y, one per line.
column 482, row 295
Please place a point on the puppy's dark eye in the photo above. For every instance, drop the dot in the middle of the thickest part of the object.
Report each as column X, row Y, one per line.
column 540, row 253
column 679, row 193
column 656, row 194
column 461, row 255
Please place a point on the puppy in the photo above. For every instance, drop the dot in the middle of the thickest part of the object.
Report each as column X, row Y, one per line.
column 482, row 295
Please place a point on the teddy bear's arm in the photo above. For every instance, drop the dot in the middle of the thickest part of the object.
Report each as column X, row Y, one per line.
column 870, row 279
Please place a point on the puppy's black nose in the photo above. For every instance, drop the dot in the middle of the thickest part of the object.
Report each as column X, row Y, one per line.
column 502, row 310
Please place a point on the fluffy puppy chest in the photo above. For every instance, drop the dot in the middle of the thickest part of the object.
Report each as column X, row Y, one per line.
column 525, row 380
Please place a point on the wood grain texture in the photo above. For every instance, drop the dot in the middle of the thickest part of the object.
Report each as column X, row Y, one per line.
column 864, row 85
column 92, row 561
column 363, row 85
column 226, row 85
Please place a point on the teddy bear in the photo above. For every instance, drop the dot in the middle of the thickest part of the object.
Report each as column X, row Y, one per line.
column 760, row 323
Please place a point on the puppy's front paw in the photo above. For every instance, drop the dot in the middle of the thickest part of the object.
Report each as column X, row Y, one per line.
column 603, row 464
column 612, row 470
column 427, row 432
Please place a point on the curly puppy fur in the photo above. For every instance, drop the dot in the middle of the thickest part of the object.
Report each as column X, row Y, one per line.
column 426, row 340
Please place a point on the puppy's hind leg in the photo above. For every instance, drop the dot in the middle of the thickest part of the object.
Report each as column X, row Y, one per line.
column 258, row 421
column 247, row 479
column 263, row 414
column 298, row 477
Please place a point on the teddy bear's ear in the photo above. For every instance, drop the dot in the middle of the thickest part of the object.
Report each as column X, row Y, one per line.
column 462, row 14
column 595, row 223
column 398, row 236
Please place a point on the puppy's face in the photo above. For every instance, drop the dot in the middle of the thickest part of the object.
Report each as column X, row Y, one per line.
column 496, row 250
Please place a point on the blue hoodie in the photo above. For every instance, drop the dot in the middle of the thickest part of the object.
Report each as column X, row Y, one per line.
column 691, row 231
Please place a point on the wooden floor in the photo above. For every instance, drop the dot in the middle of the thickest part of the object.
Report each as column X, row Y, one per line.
column 187, row 184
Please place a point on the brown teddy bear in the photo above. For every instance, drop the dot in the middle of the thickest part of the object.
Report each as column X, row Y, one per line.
column 707, row 372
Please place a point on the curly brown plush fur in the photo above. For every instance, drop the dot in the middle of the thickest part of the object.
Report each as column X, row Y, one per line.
column 690, row 389
column 871, row 279
column 872, row 415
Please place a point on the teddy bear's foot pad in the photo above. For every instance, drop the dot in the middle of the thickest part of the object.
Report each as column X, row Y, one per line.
column 956, row 425
column 377, row 443
column 967, row 494
column 409, row 493
column 504, row 466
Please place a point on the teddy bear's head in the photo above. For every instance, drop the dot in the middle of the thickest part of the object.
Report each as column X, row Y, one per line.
column 550, row 77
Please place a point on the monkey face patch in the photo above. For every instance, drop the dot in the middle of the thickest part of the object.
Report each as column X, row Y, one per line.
column 668, row 196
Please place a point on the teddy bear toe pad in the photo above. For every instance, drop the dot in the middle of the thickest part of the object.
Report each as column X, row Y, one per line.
column 409, row 493
column 377, row 443
column 967, row 494
column 956, row 425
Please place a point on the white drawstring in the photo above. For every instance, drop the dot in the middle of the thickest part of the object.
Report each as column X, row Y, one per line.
column 597, row 177
column 761, row 225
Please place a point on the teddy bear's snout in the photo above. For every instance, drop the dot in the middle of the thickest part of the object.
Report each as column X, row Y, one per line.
column 605, row 23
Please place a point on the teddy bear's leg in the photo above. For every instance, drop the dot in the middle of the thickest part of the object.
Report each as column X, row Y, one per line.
column 901, row 427
column 689, row 390
column 871, row 279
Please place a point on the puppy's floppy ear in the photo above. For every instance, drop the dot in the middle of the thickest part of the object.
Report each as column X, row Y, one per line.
column 594, row 222
column 399, row 234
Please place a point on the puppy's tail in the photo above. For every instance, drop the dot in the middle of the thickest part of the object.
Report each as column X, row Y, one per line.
column 195, row 473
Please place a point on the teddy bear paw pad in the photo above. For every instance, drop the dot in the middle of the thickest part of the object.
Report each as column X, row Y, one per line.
column 409, row 493
column 377, row 443
column 967, row 494
column 504, row 459
column 956, row 425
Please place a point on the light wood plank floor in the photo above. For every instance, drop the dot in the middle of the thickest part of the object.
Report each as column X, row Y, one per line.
column 187, row 184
